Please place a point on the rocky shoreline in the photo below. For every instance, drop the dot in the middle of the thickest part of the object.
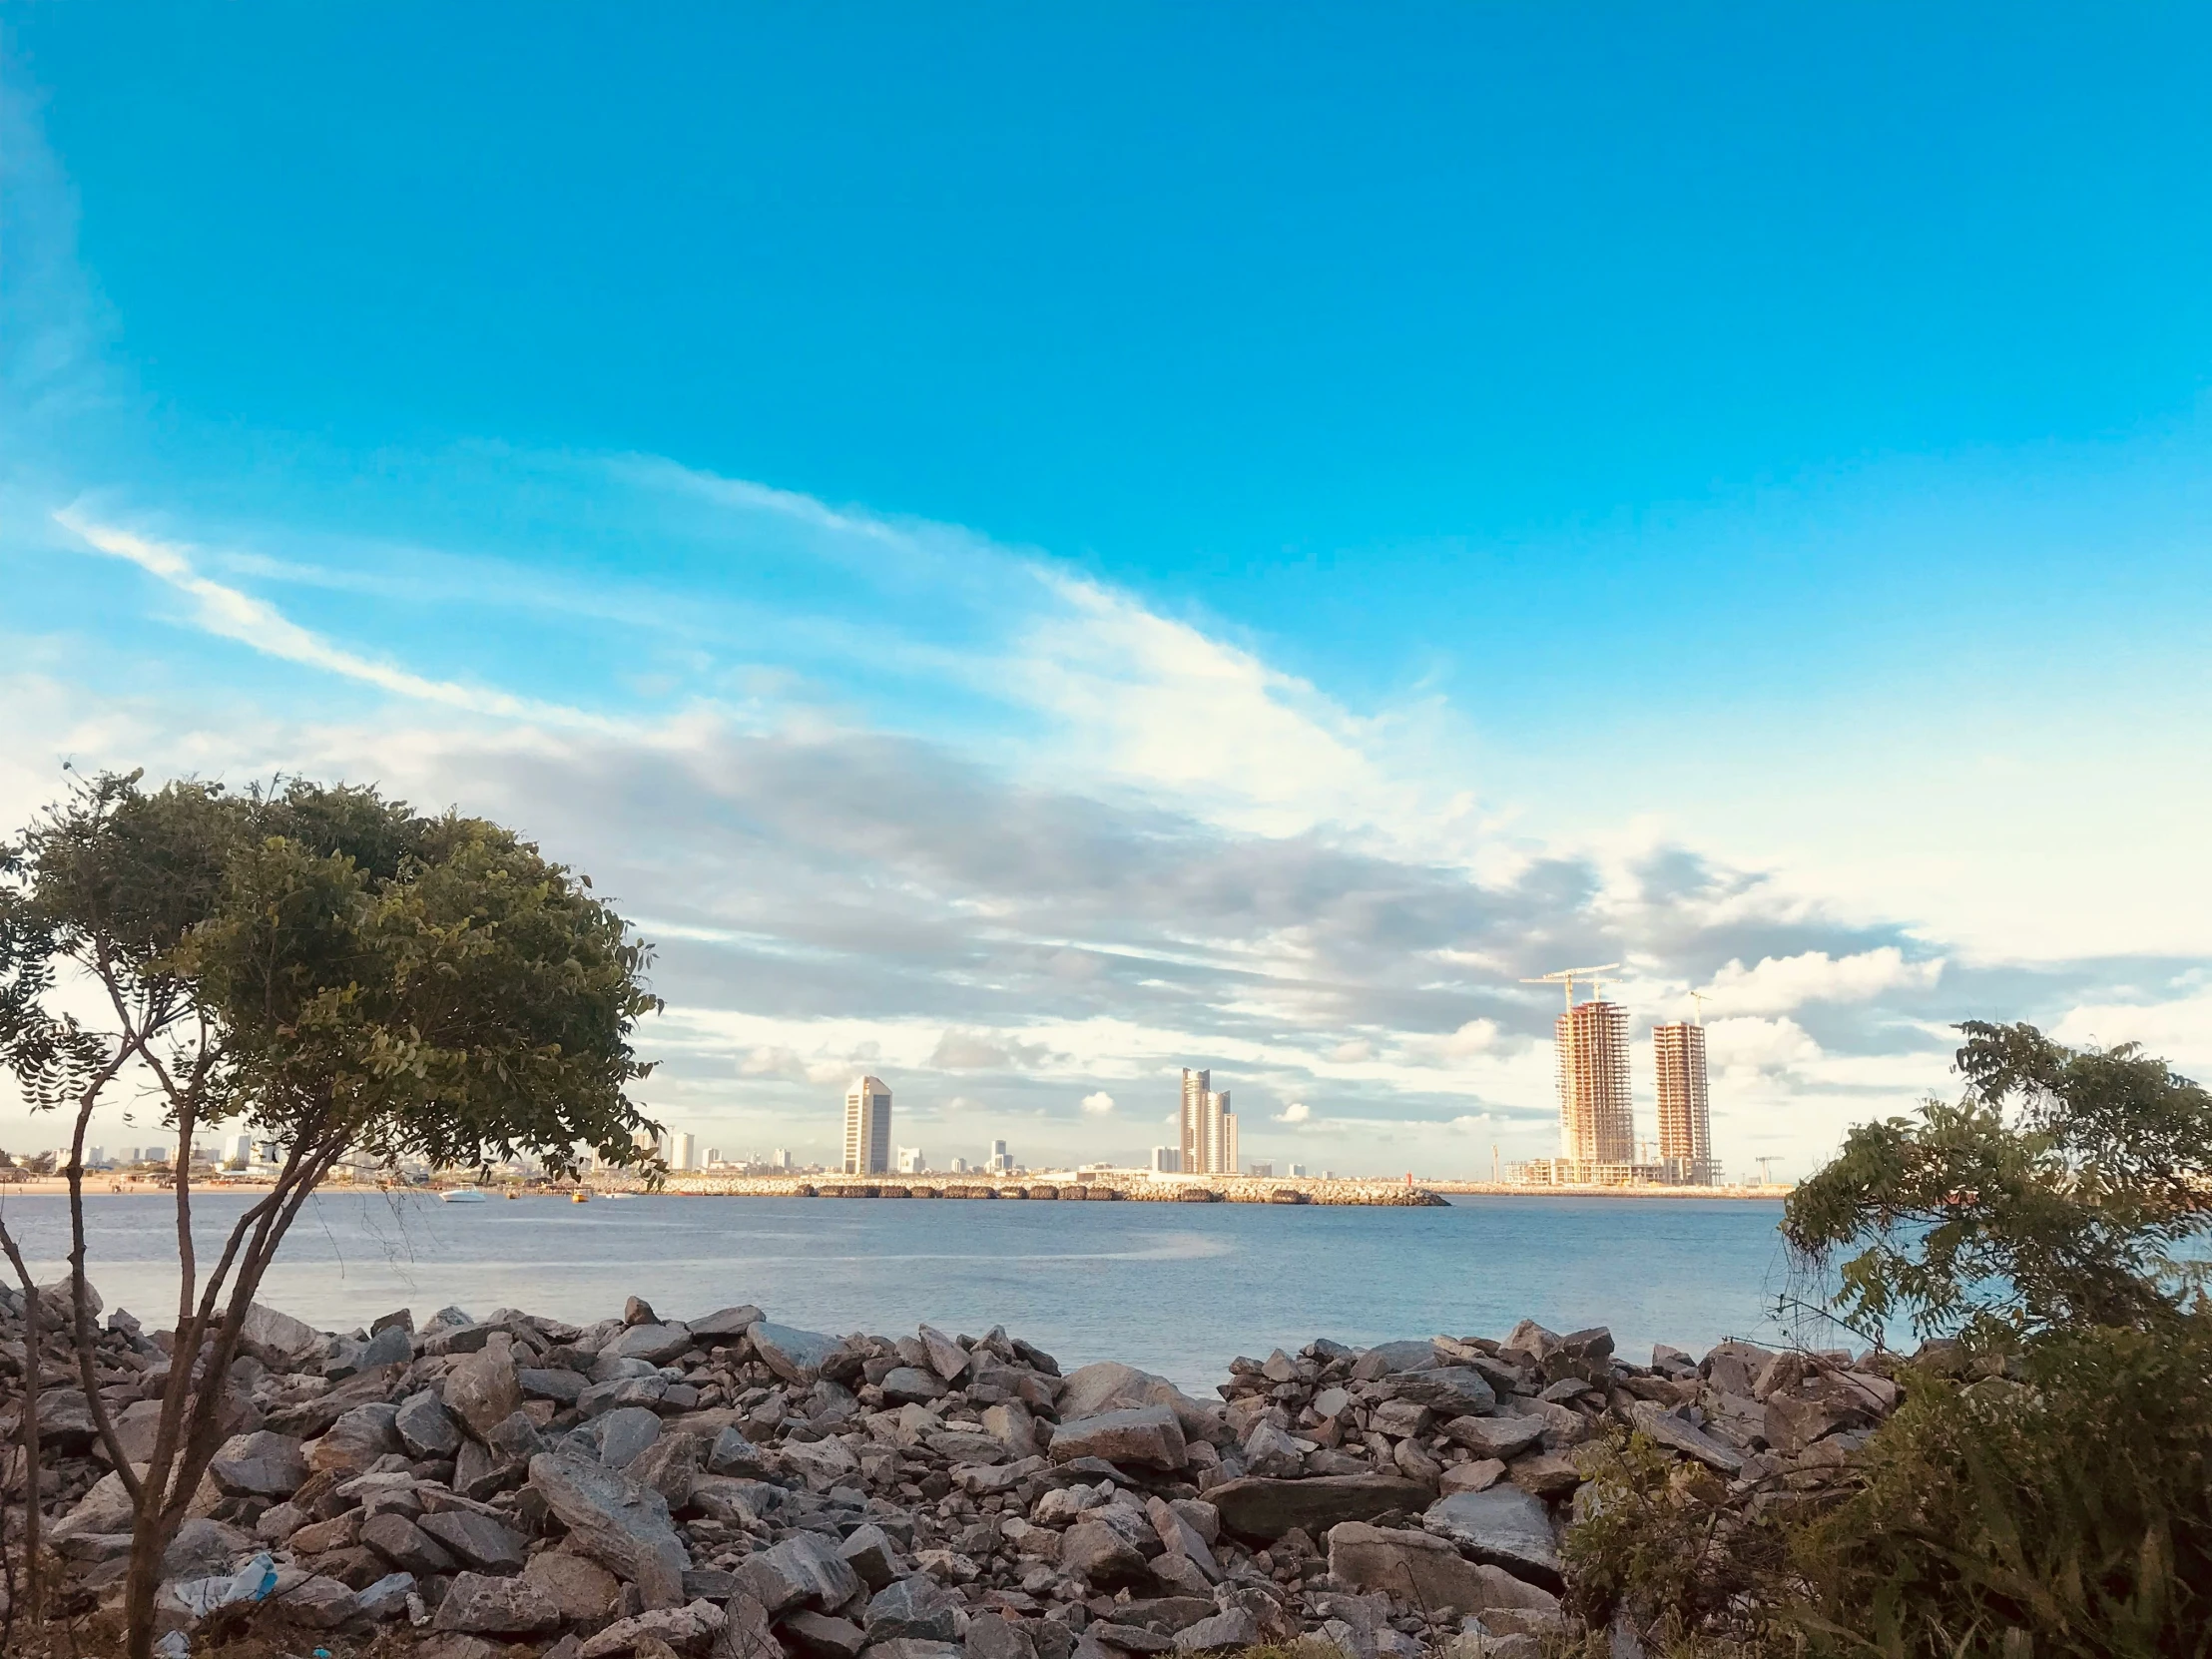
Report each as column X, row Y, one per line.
column 734, row 1487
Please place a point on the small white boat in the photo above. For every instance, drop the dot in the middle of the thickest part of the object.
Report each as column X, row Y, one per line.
column 463, row 1195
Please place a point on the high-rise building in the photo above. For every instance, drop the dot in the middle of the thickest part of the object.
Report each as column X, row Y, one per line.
column 1264, row 1168
column 779, row 1158
column 714, row 1156
column 868, row 1127
column 1685, row 1122
column 238, row 1149
column 1597, row 1122
column 683, row 1151
column 1165, row 1160
column 912, row 1161
column 1209, row 1139
column 1002, row 1161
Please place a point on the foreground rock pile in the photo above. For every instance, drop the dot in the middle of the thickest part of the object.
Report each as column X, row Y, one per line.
column 735, row 1487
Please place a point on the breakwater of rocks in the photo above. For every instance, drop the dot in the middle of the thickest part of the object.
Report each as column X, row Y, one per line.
column 732, row 1486
column 1129, row 1187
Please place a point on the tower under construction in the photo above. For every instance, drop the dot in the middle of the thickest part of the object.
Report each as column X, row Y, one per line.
column 1597, row 1119
column 1685, row 1123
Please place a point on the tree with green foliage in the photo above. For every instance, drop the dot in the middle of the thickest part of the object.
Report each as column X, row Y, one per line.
column 2058, row 1192
column 2048, row 1486
column 335, row 973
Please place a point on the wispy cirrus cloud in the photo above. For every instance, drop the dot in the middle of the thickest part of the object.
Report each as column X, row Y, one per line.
column 231, row 613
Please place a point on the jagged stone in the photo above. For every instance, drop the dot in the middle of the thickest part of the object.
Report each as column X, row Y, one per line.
column 353, row 1445
column 425, row 1428
column 481, row 1389
column 1504, row 1439
column 1676, row 1435
column 480, row 1605
column 405, row 1546
column 1149, row 1436
column 625, row 1432
column 478, row 1541
column 1235, row 1628
column 1505, row 1526
column 868, row 1551
column 913, row 1609
column 618, row 1523
column 1256, row 1508
column 794, row 1356
column 804, row 1570
column 656, row 1344
column 261, row 1464
column 580, row 1588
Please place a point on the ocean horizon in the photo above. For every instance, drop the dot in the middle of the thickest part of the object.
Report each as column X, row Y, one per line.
column 1180, row 1290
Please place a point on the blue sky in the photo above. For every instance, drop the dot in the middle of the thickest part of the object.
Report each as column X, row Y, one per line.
column 1035, row 550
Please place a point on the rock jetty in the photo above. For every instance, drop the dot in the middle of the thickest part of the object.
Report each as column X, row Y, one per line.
column 731, row 1486
column 1095, row 1187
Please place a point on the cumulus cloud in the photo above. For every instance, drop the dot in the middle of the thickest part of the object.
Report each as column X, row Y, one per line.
column 1295, row 1112
column 979, row 1052
column 1747, row 1044
column 1098, row 1103
column 1781, row 983
column 1035, row 919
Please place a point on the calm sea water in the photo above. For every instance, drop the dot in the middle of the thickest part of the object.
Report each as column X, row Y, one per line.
column 1178, row 1288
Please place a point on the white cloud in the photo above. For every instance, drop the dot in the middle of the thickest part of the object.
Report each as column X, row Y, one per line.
column 1099, row 1103
column 1765, row 1045
column 2179, row 1031
column 254, row 623
column 1781, row 983
column 1295, row 1112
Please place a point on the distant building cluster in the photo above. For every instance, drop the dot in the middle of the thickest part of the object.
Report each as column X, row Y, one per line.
column 1209, row 1141
column 1597, row 1120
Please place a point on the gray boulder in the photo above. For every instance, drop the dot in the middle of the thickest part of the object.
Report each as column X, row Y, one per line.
column 1505, row 1526
column 618, row 1523
column 393, row 1345
column 914, row 1609
column 353, row 1445
column 1253, row 1506
column 1410, row 1566
column 278, row 1341
column 656, row 1344
column 1389, row 1359
column 804, row 1569
column 722, row 1326
column 405, row 1546
column 261, row 1464
column 794, row 1356
column 481, row 1388
column 1502, row 1438
column 479, row 1542
column 1676, row 1435
column 1099, row 1554
column 625, row 1432
column 478, row 1605
column 868, row 1551
column 1146, row 1436
column 1448, row 1390
column 1235, row 1628
column 425, row 1428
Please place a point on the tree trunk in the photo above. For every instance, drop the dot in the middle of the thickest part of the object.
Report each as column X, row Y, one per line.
column 32, row 1516
column 192, row 1436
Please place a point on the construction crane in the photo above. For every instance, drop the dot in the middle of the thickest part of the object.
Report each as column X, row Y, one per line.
column 1766, row 1169
column 1568, row 977
column 1699, row 1000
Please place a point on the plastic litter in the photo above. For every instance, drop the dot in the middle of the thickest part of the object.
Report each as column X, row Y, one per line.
column 175, row 1645
column 253, row 1582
